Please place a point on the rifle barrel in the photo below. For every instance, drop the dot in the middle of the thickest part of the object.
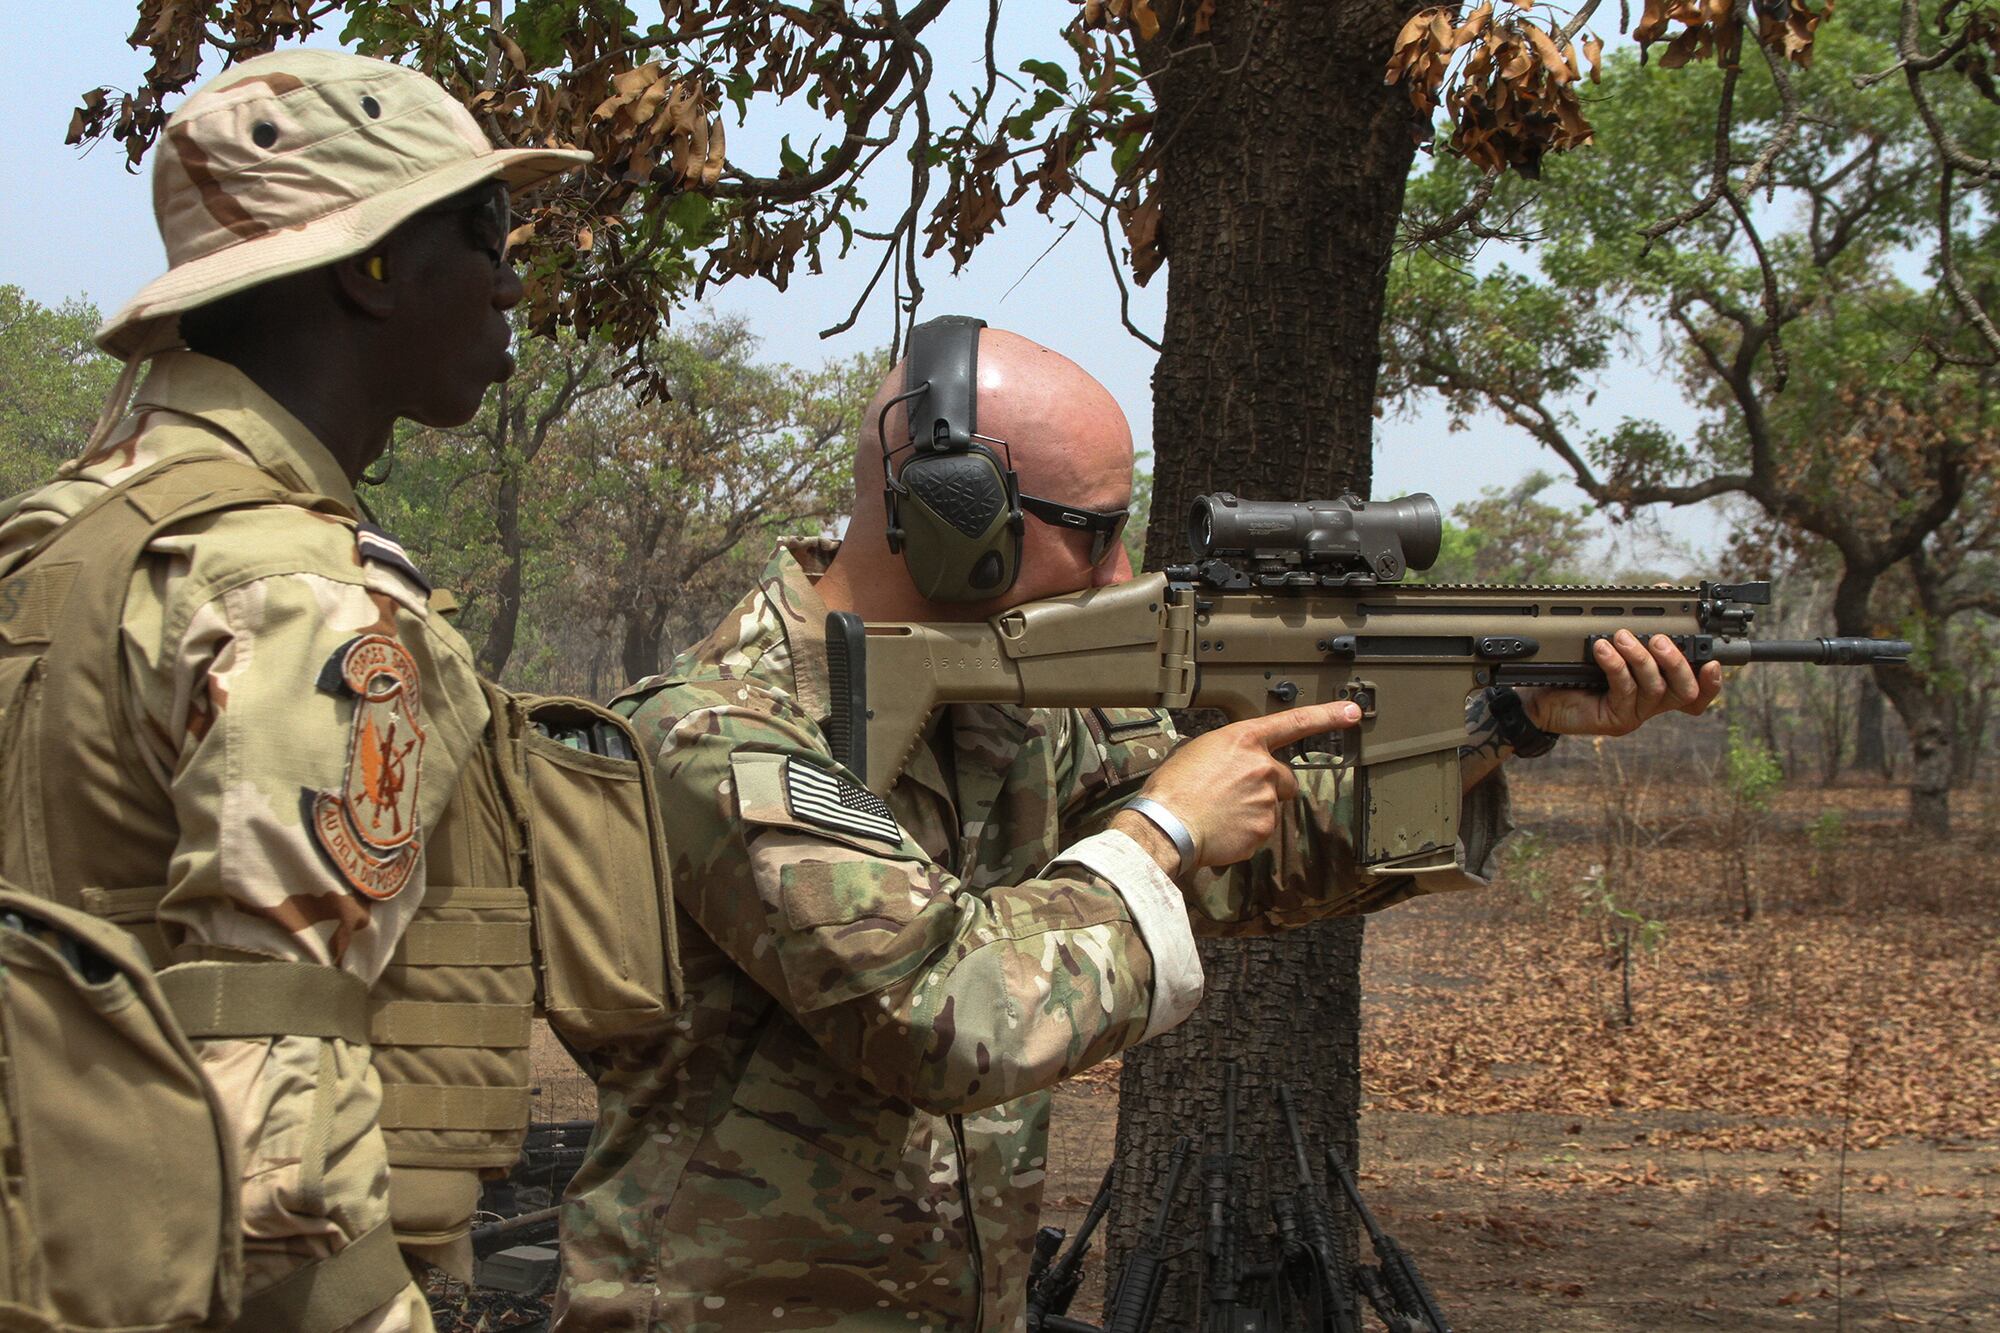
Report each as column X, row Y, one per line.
column 1823, row 652
column 1298, row 1139
column 1339, row 1170
column 1176, row 1169
column 1051, row 1296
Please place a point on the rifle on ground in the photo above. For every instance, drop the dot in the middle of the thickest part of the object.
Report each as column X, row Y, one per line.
column 1131, row 1307
column 1230, row 1306
column 1392, row 1284
column 1051, row 1287
column 1328, row 1294
column 1292, row 603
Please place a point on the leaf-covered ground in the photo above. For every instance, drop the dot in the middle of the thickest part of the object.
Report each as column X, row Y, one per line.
column 1789, row 1031
column 1800, row 1125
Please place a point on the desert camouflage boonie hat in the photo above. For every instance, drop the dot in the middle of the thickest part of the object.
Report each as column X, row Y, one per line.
column 296, row 159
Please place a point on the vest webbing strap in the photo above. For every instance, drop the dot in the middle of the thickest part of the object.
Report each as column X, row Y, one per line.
column 333, row 1292
column 465, row 943
column 425, row 1023
column 123, row 905
column 274, row 999
column 438, row 1106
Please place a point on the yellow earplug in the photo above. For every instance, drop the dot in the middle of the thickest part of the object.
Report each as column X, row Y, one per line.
column 375, row 268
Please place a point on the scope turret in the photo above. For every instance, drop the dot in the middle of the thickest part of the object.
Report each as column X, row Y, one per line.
column 1382, row 539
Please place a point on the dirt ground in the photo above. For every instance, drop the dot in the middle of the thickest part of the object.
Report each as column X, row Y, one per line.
column 1530, row 1220
column 1800, row 1125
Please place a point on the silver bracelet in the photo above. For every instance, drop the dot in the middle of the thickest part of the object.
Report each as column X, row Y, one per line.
column 1169, row 823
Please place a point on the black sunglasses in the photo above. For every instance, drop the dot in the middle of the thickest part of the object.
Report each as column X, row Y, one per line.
column 1103, row 525
column 487, row 211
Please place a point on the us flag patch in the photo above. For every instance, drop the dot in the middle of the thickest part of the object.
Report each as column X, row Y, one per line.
column 819, row 797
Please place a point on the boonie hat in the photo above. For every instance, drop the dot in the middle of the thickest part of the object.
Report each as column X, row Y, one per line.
column 293, row 160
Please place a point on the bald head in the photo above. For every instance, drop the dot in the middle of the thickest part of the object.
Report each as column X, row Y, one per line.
column 1068, row 437
column 1068, row 440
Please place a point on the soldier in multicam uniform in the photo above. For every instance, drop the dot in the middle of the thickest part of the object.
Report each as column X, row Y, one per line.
column 336, row 229
column 847, row 1127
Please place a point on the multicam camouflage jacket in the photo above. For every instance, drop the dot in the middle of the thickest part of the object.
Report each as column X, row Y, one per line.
column 847, row 1127
column 276, row 810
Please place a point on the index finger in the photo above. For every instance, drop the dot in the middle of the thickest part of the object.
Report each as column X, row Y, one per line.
column 1295, row 724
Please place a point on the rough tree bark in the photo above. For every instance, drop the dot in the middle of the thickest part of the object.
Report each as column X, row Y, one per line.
column 1284, row 164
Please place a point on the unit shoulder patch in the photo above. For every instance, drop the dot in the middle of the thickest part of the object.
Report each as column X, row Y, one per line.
column 816, row 796
column 368, row 829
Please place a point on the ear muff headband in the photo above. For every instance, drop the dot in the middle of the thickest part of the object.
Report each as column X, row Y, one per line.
column 954, row 506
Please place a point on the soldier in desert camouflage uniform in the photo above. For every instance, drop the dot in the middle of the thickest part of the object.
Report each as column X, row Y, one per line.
column 848, row 1126
column 336, row 229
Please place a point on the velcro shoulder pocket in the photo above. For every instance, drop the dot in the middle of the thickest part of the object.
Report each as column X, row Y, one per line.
column 1130, row 743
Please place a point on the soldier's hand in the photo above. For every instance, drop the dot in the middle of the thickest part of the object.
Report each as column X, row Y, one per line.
column 1227, row 786
column 1643, row 679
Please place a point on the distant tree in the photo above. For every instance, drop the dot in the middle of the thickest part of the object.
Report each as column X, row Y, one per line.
column 53, row 383
column 687, row 493
column 1512, row 536
column 1134, row 536
column 1830, row 391
column 570, row 502
column 490, row 503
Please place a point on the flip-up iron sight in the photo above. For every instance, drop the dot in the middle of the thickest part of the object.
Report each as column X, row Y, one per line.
column 1349, row 542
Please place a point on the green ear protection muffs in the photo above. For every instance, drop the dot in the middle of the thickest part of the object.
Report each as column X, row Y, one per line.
column 954, row 505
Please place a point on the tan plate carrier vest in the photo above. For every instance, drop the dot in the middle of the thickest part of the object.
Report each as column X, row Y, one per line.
column 546, row 890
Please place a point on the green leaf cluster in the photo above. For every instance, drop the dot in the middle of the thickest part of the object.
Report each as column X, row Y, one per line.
column 53, row 384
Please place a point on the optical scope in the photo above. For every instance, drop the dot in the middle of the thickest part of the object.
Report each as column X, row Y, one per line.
column 1381, row 538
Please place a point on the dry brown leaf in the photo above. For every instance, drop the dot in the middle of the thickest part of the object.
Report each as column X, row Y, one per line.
column 711, row 169
column 1552, row 58
column 636, row 80
column 508, row 48
column 1475, row 23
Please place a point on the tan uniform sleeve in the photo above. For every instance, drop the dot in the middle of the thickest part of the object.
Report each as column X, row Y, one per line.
column 256, row 729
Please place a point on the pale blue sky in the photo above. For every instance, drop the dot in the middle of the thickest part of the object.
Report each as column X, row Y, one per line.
column 81, row 225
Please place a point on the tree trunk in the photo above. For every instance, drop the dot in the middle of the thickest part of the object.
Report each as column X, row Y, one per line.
column 1283, row 170
column 1871, row 749
column 1922, row 710
column 1832, row 724
column 498, row 645
column 640, row 648
column 1926, row 717
column 1969, row 742
column 1968, row 735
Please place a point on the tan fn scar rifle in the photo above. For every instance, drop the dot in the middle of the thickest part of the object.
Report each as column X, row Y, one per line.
column 1291, row 603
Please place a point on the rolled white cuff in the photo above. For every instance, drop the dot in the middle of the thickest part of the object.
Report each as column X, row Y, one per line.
column 1160, row 913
